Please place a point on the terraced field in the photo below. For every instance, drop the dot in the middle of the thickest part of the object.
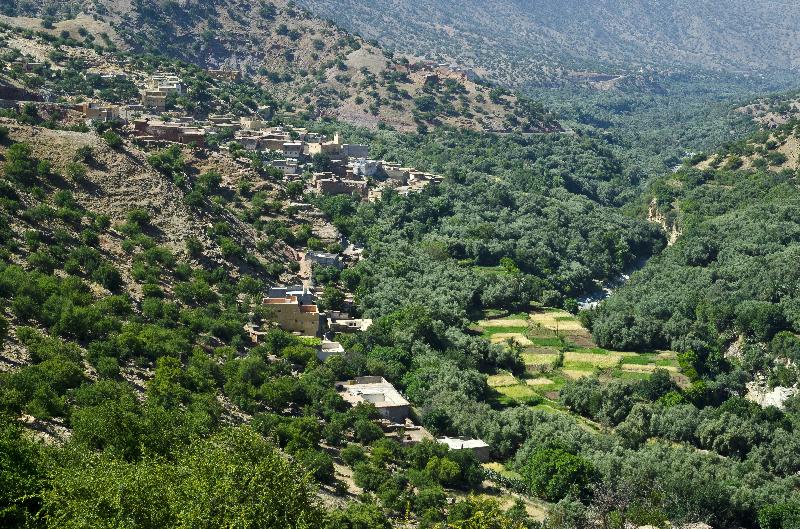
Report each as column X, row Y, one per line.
column 555, row 347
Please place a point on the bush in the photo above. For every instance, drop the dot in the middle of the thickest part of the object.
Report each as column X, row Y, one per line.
column 318, row 463
column 108, row 276
column 552, row 474
column 194, row 247
column 83, row 154
column 112, row 139
column 20, row 164
column 352, row 454
column 76, row 171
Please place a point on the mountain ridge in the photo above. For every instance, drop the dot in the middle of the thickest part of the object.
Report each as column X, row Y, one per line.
column 555, row 38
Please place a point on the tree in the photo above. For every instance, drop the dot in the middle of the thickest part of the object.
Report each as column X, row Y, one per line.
column 112, row 139
column 357, row 516
column 21, row 475
column 583, row 396
column 208, row 183
column 781, row 516
column 553, row 473
column 235, row 478
column 478, row 513
column 20, row 164
column 332, row 298
column 194, row 247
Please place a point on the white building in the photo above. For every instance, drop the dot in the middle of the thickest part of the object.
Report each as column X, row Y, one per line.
column 378, row 392
column 328, row 349
column 324, row 259
column 476, row 446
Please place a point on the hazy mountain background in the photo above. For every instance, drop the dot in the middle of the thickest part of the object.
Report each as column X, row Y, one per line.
column 524, row 42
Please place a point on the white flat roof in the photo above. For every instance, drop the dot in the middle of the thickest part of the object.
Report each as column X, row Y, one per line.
column 462, row 444
column 382, row 394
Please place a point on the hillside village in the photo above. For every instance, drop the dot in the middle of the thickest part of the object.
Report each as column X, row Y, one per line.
column 154, row 118
column 256, row 271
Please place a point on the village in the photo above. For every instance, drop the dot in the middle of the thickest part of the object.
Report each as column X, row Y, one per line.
column 293, row 151
column 350, row 171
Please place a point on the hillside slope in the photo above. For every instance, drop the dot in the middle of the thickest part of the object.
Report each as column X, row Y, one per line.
column 731, row 275
column 540, row 41
column 320, row 70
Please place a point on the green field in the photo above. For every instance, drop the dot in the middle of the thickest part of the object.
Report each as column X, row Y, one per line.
column 557, row 348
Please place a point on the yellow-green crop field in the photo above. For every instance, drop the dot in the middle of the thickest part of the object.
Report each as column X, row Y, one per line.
column 557, row 348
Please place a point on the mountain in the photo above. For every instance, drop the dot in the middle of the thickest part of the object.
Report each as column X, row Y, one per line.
column 521, row 42
column 316, row 67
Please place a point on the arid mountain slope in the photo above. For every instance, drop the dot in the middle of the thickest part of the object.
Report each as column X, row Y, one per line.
column 316, row 67
column 540, row 41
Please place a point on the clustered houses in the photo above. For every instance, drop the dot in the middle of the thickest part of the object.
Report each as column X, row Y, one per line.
column 157, row 88
column 169, row 131
column 349, row 169
column 291, row 150
column 395, row 411
column 442, row 71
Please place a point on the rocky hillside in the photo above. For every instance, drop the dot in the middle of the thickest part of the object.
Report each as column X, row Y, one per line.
column 113, row 182
column 317, row 67
column 547, row 41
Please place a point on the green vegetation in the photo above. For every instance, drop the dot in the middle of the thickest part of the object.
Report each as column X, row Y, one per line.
column 126, row 334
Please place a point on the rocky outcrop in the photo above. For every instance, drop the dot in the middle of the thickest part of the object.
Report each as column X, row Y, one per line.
column 655, row 216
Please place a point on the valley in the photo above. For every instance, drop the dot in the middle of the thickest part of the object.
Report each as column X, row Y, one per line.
column 257, row 270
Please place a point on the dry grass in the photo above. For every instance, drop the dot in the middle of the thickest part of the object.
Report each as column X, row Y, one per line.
column 539, row 359
column 559, row 319
column 576, row 374
column 541, row 381
column 517, row 337
column 498, row 381
column 522, row 324
column 647, row 368
column 606, row 360
column 518, row 392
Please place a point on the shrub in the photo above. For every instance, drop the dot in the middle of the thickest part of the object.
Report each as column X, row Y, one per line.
column 112, row 139
column 194, row 247
column 552, row 474
column 20, row 164
column 76, row 171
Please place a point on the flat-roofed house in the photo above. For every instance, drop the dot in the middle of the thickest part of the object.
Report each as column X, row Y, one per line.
column 328, row 349
column 378, row 392
column 331, row 184
column 292, row 315
column 363, row 167
column 478, row 447
column 348, row 325
column 292, row 149
column 354, row 150
column 288, row 167
column 98, row 111
column 324, row 259
column 395, row 172
column 154, row 99
column 251, row 123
